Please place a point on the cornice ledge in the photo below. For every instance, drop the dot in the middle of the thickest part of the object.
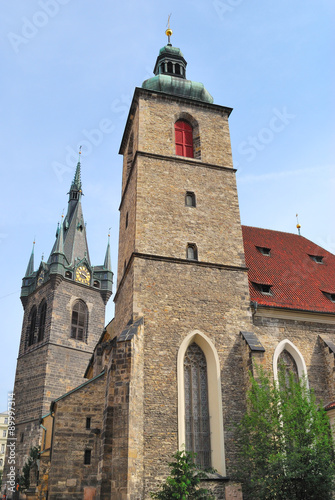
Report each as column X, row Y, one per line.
column 294, row 314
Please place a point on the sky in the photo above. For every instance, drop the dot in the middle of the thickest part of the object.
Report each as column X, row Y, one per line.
column 70, row 67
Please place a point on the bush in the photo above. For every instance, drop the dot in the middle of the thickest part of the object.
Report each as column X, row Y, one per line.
column 183, row 481
column 286, row 447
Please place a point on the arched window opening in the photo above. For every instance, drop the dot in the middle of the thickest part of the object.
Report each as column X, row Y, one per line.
column 68, row 274
column 32, row 326
column 96, row 284
column 162, row 68
column 286, row 360
column 41, row 326
column 169, row 67
column 177, row 69
column 190, row 199
column 192, row 252
column 288, row 354
column 79, row 320
column 197, row 428
column 184, row 139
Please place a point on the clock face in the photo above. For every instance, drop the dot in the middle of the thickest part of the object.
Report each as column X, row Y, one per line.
column 40, row 279
column 83, row 275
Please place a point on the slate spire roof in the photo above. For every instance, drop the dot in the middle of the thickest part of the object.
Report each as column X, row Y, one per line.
column 107, row 262
column 300, row 274
column 30, row 267
column 71, row 239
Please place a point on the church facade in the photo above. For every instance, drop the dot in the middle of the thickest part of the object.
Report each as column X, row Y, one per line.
column 199, row 300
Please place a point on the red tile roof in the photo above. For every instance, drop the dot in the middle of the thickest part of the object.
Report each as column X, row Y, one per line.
column 297, row 281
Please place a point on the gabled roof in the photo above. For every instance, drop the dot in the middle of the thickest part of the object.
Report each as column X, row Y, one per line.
column 296, row 280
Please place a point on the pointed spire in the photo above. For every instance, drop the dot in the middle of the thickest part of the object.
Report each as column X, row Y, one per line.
column 107, row 262
column 59, row 246
column 30, row 267
column 75, row 189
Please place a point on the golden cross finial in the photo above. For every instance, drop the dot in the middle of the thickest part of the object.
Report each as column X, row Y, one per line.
column 298, row 225
column 169, row 31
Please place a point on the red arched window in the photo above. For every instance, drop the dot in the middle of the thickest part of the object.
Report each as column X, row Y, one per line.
column 184, row 139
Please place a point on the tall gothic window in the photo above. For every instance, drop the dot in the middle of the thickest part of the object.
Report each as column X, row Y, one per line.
column 286, row 360
column 197, row 428
column 41, row 326
column 79, row 321
column 32, row 326
column 184, row 139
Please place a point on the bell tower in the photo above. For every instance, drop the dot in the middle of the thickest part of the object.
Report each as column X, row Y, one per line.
column 182, row 293
column 64, row 312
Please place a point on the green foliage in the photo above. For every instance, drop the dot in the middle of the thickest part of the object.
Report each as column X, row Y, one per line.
column 286, row 447
column 24, row 479
column 183, row 481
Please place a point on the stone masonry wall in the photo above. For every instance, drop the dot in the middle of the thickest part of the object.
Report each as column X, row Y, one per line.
column 175, row 300
column 158, row 114
column 304, row 335
column 69, row 477
column 55, row 365
column 165, row 225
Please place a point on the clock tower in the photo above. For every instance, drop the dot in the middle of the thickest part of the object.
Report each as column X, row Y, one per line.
column 64, row 312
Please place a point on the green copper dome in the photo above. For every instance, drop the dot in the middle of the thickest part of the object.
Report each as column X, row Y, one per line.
column 170, row 76
column 177, row 86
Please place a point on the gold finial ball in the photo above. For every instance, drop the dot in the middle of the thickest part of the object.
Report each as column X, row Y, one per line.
column 298, row 226
column 168, row 32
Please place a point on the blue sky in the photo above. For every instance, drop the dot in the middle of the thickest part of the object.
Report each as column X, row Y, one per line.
column 69, row 68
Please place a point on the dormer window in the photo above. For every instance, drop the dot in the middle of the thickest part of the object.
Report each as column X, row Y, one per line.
column 330, row 296
column 263, row 288
column 317, row 258
column 264, row 250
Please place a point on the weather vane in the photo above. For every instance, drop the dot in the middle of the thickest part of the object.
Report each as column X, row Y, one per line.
column 169, row 31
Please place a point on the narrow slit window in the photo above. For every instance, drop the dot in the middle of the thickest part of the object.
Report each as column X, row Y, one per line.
column 192, row 252
column 190, row 199
column 87, row 457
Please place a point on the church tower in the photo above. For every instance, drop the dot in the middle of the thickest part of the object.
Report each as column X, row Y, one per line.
column 64, row 312
column 182, row 293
